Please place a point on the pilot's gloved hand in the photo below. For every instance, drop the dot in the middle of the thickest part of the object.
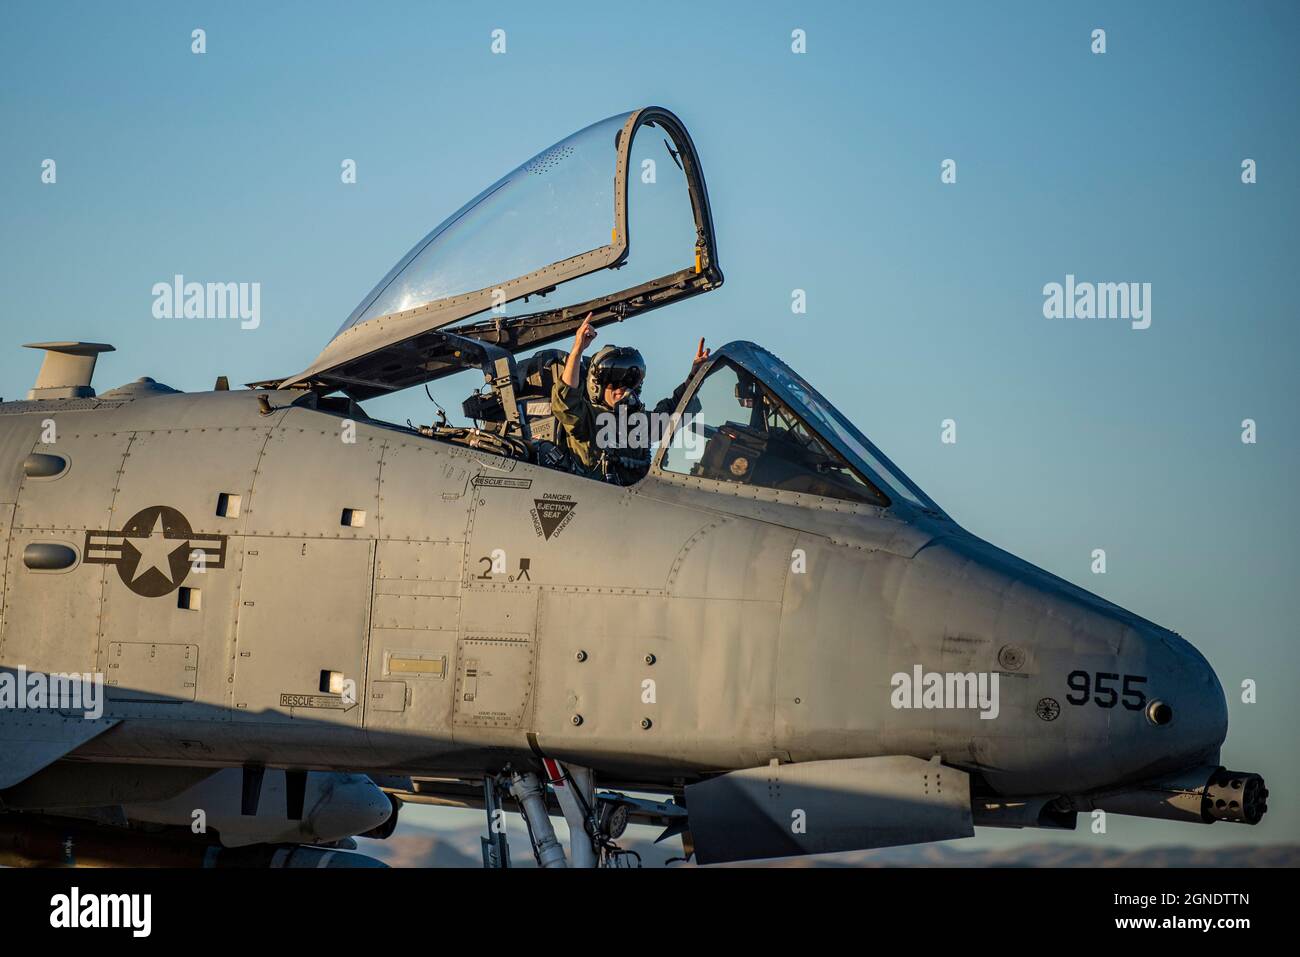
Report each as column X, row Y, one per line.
column 586, row 334
column 701, row 354
column 581, row 340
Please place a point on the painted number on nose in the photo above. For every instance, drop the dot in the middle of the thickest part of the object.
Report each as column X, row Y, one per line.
column 1101, row 689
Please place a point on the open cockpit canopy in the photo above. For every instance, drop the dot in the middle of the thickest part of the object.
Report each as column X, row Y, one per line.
column 523, row 262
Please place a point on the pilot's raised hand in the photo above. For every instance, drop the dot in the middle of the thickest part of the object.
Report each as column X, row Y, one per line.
column 701, row 354
column 586, row 334
column 581, row 339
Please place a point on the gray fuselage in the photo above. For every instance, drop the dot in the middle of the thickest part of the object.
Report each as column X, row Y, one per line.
column 479, row 610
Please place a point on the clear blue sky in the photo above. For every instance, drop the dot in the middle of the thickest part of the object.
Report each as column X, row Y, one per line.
column 924, row 299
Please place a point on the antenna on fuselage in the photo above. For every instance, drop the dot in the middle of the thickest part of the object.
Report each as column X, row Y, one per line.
column 67, row 369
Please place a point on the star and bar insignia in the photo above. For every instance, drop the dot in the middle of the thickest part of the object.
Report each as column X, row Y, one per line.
column 155, row 551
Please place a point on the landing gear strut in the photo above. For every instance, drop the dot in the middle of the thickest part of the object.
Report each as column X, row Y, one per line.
column 531, row 795
column 593, row 823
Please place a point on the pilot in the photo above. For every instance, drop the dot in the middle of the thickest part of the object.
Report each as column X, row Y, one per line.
column 614, row 378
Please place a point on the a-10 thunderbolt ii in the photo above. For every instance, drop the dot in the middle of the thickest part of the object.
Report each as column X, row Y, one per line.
column 774, row 643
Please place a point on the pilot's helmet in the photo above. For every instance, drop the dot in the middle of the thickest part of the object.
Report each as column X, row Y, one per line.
column 616, row 366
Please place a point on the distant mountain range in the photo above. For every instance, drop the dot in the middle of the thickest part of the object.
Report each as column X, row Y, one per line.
column 459, row 847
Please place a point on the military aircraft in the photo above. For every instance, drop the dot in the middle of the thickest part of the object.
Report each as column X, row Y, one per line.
column 774, row 643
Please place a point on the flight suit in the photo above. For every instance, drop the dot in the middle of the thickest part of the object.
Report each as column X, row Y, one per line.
column 577, row 417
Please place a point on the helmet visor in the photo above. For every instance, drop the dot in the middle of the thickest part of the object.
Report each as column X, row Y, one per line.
column 621, row 369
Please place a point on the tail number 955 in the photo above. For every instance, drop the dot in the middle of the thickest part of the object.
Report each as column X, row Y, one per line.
column 1106, row 689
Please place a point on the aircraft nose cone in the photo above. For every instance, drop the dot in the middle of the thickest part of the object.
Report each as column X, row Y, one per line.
column 1187, row 705
column 1117, row 699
